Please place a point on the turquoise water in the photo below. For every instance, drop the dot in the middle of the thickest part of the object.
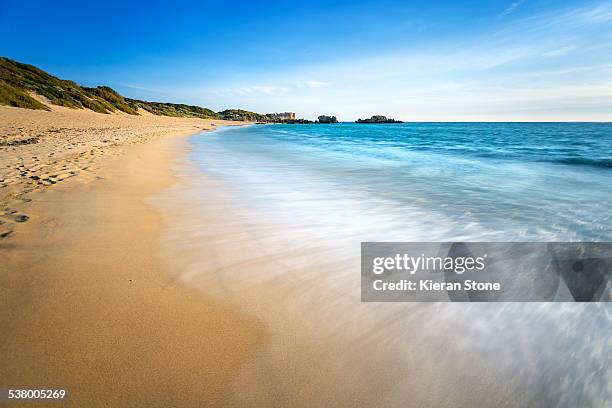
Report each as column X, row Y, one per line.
column 271, row 217
column 423, row 181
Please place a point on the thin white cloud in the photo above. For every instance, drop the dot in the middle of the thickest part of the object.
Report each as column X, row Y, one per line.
column 558, row 52
column 282, row 87
column 251, row 89
column 512, row 8
column 265, row 89
column 573, row 71
column 599, row 14
column 316, row 84
column 583, row 16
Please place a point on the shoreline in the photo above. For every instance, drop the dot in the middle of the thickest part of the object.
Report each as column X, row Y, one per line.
column 87, row 305
column 307, row 299
column 227, row 237
column 146, row 280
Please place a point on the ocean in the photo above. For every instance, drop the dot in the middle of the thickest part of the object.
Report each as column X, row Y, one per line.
column 269, row 219
column 423, row 181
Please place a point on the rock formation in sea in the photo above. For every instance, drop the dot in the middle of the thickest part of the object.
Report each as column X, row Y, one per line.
column 327, row 119
column 298, row 122
column 378, row 119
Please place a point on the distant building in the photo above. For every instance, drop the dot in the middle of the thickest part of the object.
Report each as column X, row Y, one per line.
column 283, row 116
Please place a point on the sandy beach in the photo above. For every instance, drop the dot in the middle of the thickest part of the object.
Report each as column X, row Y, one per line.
column 131, row 277
column 320, row 204
column 86, row 306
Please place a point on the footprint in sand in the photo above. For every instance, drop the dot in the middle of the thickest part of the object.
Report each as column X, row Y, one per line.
column 15, row 217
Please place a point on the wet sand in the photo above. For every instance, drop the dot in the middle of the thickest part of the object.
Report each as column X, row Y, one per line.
column 323, row 346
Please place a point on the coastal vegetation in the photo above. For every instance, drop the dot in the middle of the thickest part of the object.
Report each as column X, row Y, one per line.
column 240, row 114
column 12, row 96
column 20, row 82
column 174, row 109
column 321, row 119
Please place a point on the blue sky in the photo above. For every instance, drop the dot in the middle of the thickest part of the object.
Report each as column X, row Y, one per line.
column 447, row 60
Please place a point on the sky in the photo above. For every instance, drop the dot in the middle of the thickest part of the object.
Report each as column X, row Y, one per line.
column 498, row 60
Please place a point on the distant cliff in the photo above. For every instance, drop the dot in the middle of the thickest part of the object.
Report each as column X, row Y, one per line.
column 240, row 114
column 378, row 119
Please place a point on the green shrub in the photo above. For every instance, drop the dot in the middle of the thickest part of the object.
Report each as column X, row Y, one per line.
column 14, row 97
column 17, row 79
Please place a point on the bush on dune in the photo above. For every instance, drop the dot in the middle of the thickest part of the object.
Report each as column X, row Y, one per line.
column 17, row 80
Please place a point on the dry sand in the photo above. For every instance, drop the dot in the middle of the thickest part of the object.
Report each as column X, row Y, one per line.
column 85, row 304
